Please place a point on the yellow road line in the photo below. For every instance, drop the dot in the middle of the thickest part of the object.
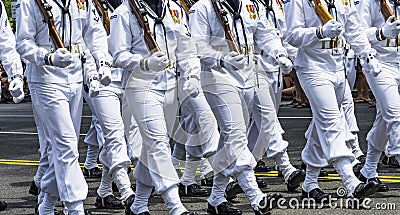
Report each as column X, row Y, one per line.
column 335, row 177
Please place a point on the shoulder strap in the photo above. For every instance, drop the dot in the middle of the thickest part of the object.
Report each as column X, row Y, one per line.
column 1, row 9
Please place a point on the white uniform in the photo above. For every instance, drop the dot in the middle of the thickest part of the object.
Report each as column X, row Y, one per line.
column 94, row 137
column 9, row 57
column 269, row 76
column 385, row 87
column 114, row 154
column 231, row 93
column 59, row 91
column 198, row 131
column 321, row 73
column 152, row 96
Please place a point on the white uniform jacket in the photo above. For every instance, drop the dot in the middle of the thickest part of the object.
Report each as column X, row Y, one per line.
column 80, row 29
column 208, row 32
column 275, row 19
column 8, row 55
column 302, row 23
column 372, row 19
column 128, row 47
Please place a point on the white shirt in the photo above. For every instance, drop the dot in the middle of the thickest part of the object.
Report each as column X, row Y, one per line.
column 371, row 20
column 83, row 29
column 8, row 55
column 208, row 32
column 302, row 23
column 128, row 47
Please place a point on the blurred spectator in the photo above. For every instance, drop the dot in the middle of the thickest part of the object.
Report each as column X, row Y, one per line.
column 293, row 91
column 361, row 85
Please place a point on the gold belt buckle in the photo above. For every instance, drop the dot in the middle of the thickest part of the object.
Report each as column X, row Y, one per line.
column 396, row 42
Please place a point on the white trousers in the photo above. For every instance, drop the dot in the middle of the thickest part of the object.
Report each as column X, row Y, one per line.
column 132, row 134
column 386, row 127
column 231, row 106
column 43, row 135
column 107, row 105
column 155, row 112
column 265, row 134
column 198, row 128
column 325, row 136
column 62, row 110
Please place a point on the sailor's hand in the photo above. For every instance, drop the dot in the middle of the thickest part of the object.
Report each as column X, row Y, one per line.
column 105, row 73
column 233, row 60
column 156, row 62
column 60, row 58
column 331, row 29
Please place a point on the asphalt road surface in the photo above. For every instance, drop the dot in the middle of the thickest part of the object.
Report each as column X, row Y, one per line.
column 19, row 158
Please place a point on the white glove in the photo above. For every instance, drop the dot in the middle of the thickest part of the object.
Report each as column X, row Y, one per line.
column 192, row 86
column 156, row 62
column 16, row 87
column 19, row 99
column 60, row 58
column 331, row 29
column 105, row 73
column 94, row 87
column 371, row 65
column 234, row 59
column 391, row 29
column 285, row 64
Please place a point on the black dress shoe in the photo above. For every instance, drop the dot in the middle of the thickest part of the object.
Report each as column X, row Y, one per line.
column 108, row 202
column 232, row 190
column 362, row 159
column 207, row 181
column 391, row 161
column 267, row 203
column 295, row 179
column 363, row 190
column 382, row 187
column 193, row 190
column 322, row 172
column 189, row 213
column 33, row 189
column 261, row 183
column 92, row 173
column 127, row 204
column 143, row 213
column 317, row 194
column 225, row 208
column 262, row 167
column 3, row 205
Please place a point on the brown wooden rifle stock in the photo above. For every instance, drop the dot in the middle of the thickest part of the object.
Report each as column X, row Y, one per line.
column 386, row 11
column 322, row 12
column 187, row 4
column 223, row 18
column 141, row 15
column 45, row 9
column 102, row 7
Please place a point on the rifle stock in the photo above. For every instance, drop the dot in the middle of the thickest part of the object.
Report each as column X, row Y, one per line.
column 45, row 9
column 103, row 9
column 322, row 12
column 386, row 11
column 223, row 18
column 141, row 16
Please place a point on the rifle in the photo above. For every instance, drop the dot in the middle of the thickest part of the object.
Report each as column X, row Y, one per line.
column 223, row 18
column 102, row 7
column 386, row 11
column 322, row 12
column 141, row 15
column 45, row 9
column 187, row 4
